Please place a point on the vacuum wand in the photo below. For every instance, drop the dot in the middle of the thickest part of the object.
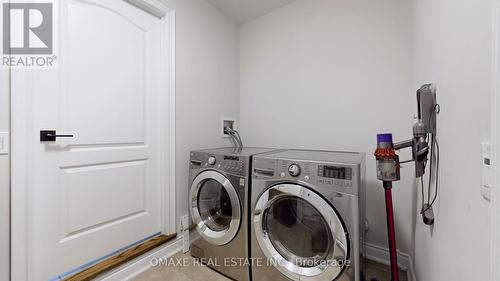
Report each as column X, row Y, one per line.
column 388, row 171
column 391, row 230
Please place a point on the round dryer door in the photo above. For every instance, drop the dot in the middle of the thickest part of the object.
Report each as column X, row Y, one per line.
column 301, row 233
column 215, row 207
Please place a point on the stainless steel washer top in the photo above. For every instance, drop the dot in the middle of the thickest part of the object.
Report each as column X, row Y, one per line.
column 219, row 188
column 306, row 213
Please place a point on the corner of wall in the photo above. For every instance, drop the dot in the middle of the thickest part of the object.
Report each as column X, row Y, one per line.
column 5, row 177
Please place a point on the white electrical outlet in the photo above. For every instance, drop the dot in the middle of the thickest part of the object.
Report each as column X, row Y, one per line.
column 184, row 230
column 4, row 143
column 486, row 171
column 185, row 222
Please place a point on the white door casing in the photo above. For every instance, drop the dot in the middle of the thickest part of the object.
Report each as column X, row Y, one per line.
column 112, row 184
column 495, row 135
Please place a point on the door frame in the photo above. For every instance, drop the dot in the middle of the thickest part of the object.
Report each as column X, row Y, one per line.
column 21, row 82
column 495, row 142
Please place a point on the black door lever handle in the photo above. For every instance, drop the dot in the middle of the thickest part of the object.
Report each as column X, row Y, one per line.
column 51, row 135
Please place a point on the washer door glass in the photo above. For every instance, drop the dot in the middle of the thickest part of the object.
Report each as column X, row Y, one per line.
column 311, row 242
column 301, row 233
column 215, row 207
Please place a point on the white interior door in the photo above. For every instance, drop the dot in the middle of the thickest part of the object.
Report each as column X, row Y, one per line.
column 100, row 190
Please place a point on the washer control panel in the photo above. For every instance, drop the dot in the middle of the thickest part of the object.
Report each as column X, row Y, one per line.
column 335, row 172
column 344, row 177
column 233, row 164
column 226, row 163
column 294, row 170
column 212, row 160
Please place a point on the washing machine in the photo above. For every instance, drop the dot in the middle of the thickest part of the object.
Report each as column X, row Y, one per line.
column 306, row 215
column 219, row 192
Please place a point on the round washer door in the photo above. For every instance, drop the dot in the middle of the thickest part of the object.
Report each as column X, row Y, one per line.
column 215, row 207
column 300, row 233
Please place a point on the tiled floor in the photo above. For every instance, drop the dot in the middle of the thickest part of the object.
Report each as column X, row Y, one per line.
column 381, row 272
column 198, row 273
column 181, row 273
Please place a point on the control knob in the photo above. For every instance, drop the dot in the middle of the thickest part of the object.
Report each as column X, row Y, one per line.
column 294, row 170
column 211, row 160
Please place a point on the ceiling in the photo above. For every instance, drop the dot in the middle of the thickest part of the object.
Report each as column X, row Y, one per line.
column 242, row 11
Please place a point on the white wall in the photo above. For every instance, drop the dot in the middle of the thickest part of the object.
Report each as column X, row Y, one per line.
column 324, row 74
column 453, row 50
column 207, row 81
column 4, row 180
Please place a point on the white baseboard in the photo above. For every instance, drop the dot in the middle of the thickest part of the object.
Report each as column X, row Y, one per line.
column 411, row 271
column 381, row 255
column 142, row 263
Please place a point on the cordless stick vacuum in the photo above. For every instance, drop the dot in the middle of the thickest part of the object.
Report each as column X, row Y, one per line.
column 388, row 163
